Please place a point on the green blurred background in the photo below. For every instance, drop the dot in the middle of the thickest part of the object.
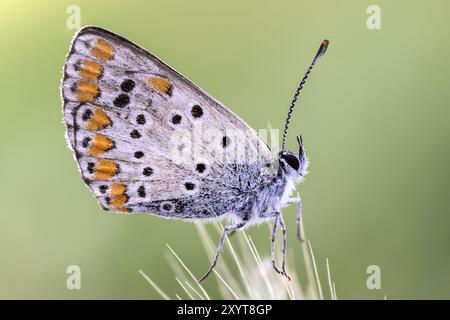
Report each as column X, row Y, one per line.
column 375, row 119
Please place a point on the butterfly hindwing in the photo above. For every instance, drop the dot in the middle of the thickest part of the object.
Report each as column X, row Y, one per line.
column 137, row 129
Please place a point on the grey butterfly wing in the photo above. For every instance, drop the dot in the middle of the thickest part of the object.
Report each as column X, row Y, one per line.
column 147, row 139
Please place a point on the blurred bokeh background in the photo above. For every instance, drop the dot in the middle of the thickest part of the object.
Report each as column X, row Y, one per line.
column 374, row 115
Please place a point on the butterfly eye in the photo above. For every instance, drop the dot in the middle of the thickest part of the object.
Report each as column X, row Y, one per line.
column 292, row 161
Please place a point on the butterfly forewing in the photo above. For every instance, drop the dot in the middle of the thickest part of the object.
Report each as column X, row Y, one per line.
column 147, row 139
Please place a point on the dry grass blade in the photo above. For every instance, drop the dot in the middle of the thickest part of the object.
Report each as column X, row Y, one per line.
column 189, row 272
column 329, row 280
column 193, row 290
column 258, row 261
column 319, row 286
column 226, row 285
column 184, row 288
column 154, row 285
column 254, row 277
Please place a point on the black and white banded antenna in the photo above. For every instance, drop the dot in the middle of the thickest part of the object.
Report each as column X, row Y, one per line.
column 322, row 49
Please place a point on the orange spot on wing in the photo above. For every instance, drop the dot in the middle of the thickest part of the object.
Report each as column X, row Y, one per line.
column 118, row 197
column 87, row 91
column 100, row 145
column 98, row 121
column 103, row 50
column 117, row 189
column 119, row 201
column 91, row 70
column 162, row 85
column 105, row 169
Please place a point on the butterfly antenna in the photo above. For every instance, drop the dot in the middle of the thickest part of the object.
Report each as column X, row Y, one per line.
column 320, row 52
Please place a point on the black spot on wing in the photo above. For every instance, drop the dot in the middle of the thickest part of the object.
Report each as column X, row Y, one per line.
column 138, row 154
column 176, row 119
column 147, row 171
column 135, row 134
column 200, row 167
column 86, row 115
column 189, row 186
column 141, row 191
column 225, row 141
column 121, row 100
column 140, row 119
column 127, row 85
column 197, row 111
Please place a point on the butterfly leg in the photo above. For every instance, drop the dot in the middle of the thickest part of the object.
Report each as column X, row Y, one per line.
column 298, row 204
column 274, row 236
column 278, row 220
column 226, row 230
column 283, row 247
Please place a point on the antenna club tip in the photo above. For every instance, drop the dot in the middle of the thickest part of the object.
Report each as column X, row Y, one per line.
column 323, row 47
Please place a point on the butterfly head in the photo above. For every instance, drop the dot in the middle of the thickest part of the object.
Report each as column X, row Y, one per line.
column 294, row 165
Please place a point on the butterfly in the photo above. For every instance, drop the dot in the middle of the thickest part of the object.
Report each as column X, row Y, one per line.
column 147, row 139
